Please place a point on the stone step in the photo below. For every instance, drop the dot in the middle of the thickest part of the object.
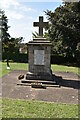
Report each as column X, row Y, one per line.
column 39, row 77
column 43, row 85
column 38, row 81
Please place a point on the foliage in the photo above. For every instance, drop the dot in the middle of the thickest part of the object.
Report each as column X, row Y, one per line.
column 9, row 45
column 37, row 109
column 4, row 27
column 16, row 57
column 64, row 30
column 35, row 34
column 12, row 46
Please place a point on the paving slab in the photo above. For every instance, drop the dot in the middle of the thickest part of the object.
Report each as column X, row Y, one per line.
column 67, row 93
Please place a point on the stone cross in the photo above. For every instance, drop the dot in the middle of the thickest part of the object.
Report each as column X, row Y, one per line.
column 41, row 25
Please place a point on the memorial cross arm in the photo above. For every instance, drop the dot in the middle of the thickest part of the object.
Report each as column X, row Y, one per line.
column 40, row 24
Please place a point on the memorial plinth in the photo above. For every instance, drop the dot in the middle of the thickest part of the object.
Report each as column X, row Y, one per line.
column 39, row 59
column 39, row 56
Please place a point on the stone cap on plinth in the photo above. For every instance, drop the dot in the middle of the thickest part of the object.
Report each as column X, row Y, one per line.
column 39, row 41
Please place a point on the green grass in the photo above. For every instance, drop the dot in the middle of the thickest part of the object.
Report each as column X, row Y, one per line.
column 24, row 66
column 63, row 68
column 13, row 66
column 37, row 109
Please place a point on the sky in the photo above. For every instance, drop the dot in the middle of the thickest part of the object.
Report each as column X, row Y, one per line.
column 22, row 13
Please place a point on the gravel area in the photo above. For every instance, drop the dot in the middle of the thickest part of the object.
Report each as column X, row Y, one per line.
column 67, row 93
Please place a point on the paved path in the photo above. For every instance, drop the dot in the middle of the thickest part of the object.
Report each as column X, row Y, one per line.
column 67, row 93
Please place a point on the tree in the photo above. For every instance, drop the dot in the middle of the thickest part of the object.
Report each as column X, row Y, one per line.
column 4, row 28
column 64, row 29
column 12, row 46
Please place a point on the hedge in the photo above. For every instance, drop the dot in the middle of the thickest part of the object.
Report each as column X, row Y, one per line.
column 20, row 57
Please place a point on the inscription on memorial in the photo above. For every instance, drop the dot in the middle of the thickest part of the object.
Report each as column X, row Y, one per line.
column 38, row 57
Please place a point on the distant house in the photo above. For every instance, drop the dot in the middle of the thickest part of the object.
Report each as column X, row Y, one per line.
column 23, row 48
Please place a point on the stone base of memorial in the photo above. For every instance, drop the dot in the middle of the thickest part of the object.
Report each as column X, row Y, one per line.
column 39, row 59
column 39, row 76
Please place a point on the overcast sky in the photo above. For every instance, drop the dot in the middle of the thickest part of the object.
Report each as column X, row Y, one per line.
column 22, row 13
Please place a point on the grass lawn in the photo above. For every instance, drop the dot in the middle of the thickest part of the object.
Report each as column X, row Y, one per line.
column 37, row 109
column 63, row 68
column 24, row 66
column 13, row 66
